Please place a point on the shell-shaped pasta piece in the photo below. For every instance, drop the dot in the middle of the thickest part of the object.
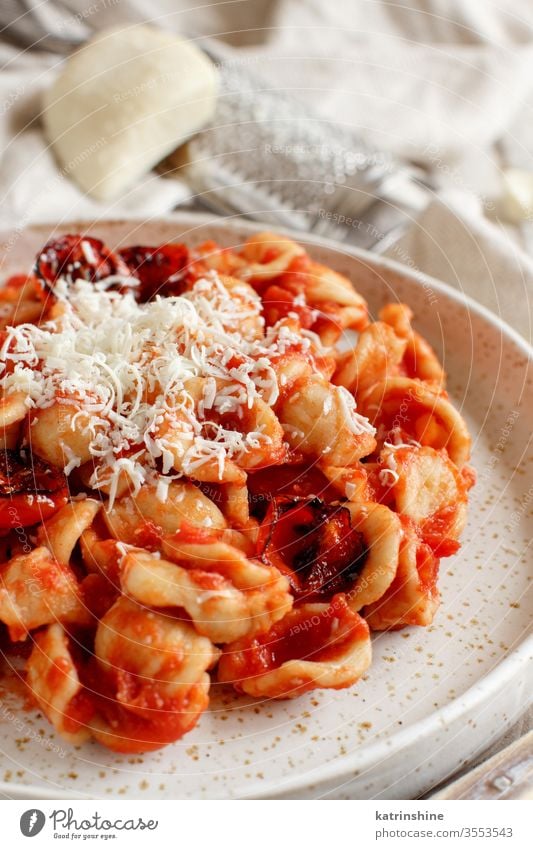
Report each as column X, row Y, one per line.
column 246, row 598
column 320, row 420
column 13, row 409
column 294, row 353
column 10, row 436
column 349, row 481
column 267, row 256
column 337, row 304
column 258, row 422
column 20, row 312
column 152, row 678
column 211, row 471
column 99, row 476
column 413, row 596
column 249, row 576
column 62, row 531
column 269, row 449
column 314, row 646
column 382, row 533
column 54, row 682
column 251, row 326
column 429, row 490
column 101, row 556
column 60, row 433
column 290, row 369
column 36, row 590
column 327, row 286
column 412, row 409
column 244, row 541
column 377, row 355
column 184, row 503
column 211, row 255
column 233, row 501
column 420, row 360
column 322, row 299
column 21, row 301
column 178, row 438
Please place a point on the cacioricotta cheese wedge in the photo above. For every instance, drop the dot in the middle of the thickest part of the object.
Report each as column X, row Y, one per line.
column 123, row 102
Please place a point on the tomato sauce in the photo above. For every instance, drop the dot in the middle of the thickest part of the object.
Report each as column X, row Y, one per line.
column 427, row 565
column 148, row 535
column 98, row 594
column 141, row 716
column 307, row 633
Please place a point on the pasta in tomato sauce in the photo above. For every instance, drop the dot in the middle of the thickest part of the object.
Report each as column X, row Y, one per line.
column 196, row 485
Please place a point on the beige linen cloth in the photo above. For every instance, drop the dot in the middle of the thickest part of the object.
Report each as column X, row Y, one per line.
column 445, row 82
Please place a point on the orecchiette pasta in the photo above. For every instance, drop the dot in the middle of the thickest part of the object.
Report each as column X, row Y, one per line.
column 59, row 433
column 13, row 409
column 195, row 483
column 151, row 683
column 376, row 356
column 419, row 359
column 54, row 682
column 129, row 516
column 413, row 596
column 430, row 491
column 404, row 409
column 62, row 531
column 21, row 301
column 36, row 590
column 316, row 422
column 381, row 531
column 267, row 256
column 315, row 645
column 226, row 595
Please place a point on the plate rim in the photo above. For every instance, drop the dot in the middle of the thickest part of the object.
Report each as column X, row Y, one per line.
column 504, row 670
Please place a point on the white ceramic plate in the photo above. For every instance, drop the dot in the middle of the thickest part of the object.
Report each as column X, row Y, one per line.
column 433, row 697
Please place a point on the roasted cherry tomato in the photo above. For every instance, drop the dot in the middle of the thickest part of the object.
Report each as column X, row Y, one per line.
column 314, row 544
column 78, row 257
column 161, row 270
column 17, row 281
column 29, row 493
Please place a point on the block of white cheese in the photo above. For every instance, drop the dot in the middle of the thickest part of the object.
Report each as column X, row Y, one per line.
column 123, row 102
column 517, row 195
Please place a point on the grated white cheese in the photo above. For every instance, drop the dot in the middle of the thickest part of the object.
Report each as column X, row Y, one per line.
column 133, row 372
column 88, row 253
column 127, row 365
column 396, row 445
column 350, row 490
column 357, row 423
column 388, row 473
